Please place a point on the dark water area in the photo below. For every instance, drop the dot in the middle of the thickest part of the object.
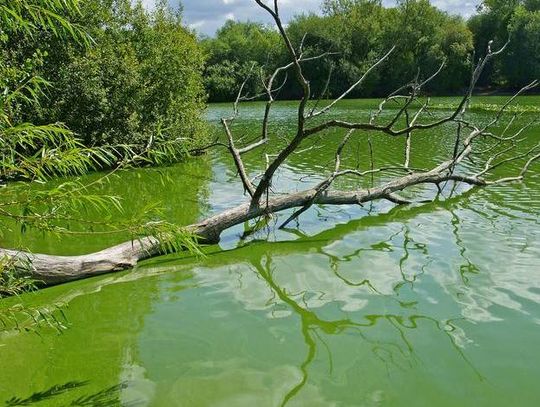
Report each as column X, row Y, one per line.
column 426, row 305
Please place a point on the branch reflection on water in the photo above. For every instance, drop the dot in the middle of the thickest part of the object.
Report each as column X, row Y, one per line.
column 313, row 328
column 373, row 270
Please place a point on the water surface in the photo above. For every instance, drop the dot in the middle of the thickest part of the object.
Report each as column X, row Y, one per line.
column 428, row 305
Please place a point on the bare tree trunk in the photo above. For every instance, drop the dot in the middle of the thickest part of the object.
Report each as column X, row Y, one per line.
column 58, row 269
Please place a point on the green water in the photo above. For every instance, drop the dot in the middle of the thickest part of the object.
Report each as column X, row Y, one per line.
column 429, row 305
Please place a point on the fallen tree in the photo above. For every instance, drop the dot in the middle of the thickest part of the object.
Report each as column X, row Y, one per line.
column 412, row 115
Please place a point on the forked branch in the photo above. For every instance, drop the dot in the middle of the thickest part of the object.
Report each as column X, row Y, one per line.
column 488, row 149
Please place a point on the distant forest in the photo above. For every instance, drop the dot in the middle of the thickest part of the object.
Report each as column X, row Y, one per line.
column 355, row 32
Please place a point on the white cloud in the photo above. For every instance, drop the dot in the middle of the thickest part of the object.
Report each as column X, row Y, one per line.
column 206, row 16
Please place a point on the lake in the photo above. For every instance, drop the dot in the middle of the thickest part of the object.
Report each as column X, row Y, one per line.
column 426, row 305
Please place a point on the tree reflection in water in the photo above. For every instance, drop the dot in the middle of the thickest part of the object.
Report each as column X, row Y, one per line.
column 312, row 326
column 350, row 257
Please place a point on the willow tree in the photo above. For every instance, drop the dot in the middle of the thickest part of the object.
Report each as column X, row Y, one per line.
column 489, row 149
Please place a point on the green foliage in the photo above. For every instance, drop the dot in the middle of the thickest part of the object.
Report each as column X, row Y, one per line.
column 524, row 31
column 33, row 152
column 248, row 41
column 11, row 283
column 223, row 79
column 320, row 35
column 17, row 316
column 427, row 37
column 424, row 37
column 30, row 16
column 519, row 22
column 355, row 32
column 359, row 31
column 237, row 50
column 141, row 76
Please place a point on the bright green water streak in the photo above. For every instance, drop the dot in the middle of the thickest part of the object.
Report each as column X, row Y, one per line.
column 431, row 305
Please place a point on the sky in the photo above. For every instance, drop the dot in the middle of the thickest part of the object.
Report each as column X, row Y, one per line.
column 206, row 16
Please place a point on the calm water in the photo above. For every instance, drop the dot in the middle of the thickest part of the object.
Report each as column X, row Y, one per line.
column 429, row 305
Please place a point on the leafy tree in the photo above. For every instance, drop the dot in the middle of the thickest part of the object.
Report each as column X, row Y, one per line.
column 140, row 79
column 423, row 35
column 353, row 33
column 244, row 41
column 361, row 30
column 319, row 35
column 516, row 21
column 225, row 78
column 524, row 33
column 239, row 50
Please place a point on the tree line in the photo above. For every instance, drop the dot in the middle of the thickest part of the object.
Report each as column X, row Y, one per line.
column 355, row 32
column 141, row 77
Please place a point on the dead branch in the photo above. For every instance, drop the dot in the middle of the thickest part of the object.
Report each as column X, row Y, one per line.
column 398, row 178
